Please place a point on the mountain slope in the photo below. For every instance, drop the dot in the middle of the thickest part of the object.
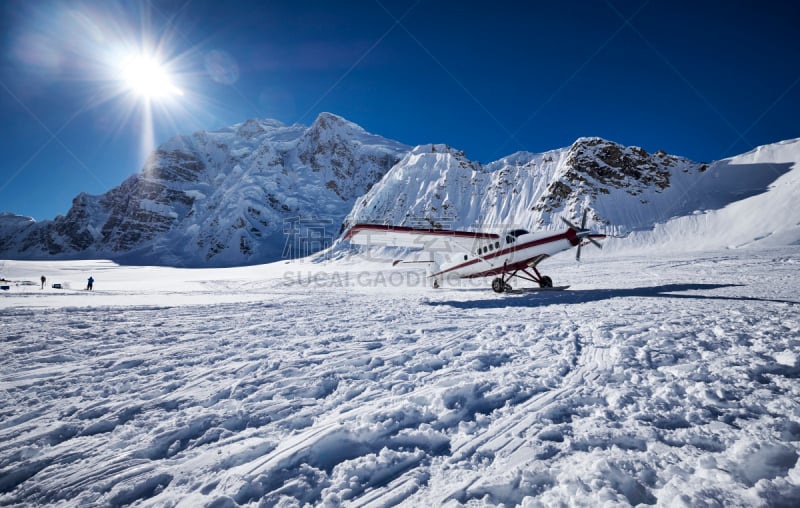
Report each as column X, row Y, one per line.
column 626, row 189
column 260, row 191
column 219, row 198
column 760, row 219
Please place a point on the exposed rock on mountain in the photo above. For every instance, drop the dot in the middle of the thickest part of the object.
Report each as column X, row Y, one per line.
column 235, row 196
column 260, row 190
column 625, row 188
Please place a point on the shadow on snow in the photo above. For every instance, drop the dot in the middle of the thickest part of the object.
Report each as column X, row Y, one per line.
column 539, row 299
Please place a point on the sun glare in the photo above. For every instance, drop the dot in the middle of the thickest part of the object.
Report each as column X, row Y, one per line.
column 148, row 78
column 142, row 84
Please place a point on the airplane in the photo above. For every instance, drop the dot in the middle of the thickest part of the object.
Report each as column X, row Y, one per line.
column 467, row 254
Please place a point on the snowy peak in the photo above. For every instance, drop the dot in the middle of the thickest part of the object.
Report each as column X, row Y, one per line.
column 625, row 188
column 219, row 198
column 429, row 187
column 235, row 195
column 437, row 148
column 612, row 164
column 347, row 159
column 11, row 224
column 781, row 152
column 334, row 123
column 592, row 167
column 257, row 127
column 437, row 157
column 330, row 130
column 12, row 220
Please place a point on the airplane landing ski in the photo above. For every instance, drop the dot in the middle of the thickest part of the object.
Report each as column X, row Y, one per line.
column 536, row 290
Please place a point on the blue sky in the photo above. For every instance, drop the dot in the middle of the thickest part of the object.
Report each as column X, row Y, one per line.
column 705, row 80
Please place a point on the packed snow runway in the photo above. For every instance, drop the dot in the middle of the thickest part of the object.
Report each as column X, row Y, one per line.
column 653, row 380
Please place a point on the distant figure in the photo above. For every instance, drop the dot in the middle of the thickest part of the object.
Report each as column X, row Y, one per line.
column 44, row 279
column 90, row 284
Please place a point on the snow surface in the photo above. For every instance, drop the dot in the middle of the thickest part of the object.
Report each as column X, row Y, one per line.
column 656, row 379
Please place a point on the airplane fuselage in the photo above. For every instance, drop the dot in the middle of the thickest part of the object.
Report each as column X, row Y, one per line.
column 515, row 250
column 469, row 254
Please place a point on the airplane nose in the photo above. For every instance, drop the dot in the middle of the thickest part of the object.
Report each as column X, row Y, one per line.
column 573, row 238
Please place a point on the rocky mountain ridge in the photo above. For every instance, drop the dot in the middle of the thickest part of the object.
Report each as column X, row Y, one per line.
column 628, row 192
column 435, row 184
column 216, row 198
column 261, row 191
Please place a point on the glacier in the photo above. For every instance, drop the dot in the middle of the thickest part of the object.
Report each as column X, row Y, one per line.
column 657, row 379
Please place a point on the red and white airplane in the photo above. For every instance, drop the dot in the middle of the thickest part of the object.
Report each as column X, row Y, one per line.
column 465, row 254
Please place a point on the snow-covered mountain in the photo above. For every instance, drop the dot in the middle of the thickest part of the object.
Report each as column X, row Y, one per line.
column 261, row 190
column 626, row 189
column 757, row 219
column 240, row 195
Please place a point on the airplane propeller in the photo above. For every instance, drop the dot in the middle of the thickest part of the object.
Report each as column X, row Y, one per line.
column 582, row 233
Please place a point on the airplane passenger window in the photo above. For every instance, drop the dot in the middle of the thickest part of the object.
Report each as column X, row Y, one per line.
column 496, row 245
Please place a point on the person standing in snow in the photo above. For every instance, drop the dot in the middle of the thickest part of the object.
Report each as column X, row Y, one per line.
column 44, row 279
column 90, row 283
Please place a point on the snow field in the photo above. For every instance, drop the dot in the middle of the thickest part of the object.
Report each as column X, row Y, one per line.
column 660, row 380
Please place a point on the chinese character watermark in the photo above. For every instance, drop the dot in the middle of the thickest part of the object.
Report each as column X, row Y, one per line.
column 306, row 236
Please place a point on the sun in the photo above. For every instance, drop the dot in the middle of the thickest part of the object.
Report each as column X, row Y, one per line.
column 148, row 78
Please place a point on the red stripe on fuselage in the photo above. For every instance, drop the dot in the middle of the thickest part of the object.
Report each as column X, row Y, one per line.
column 403, row 229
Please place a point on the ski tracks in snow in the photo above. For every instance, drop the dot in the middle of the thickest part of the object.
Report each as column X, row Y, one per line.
column 669, row 388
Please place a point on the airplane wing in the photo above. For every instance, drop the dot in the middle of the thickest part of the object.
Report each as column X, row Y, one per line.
column 441, row 240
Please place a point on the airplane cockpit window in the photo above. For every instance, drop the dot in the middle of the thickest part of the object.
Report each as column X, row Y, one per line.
column 512, row 235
